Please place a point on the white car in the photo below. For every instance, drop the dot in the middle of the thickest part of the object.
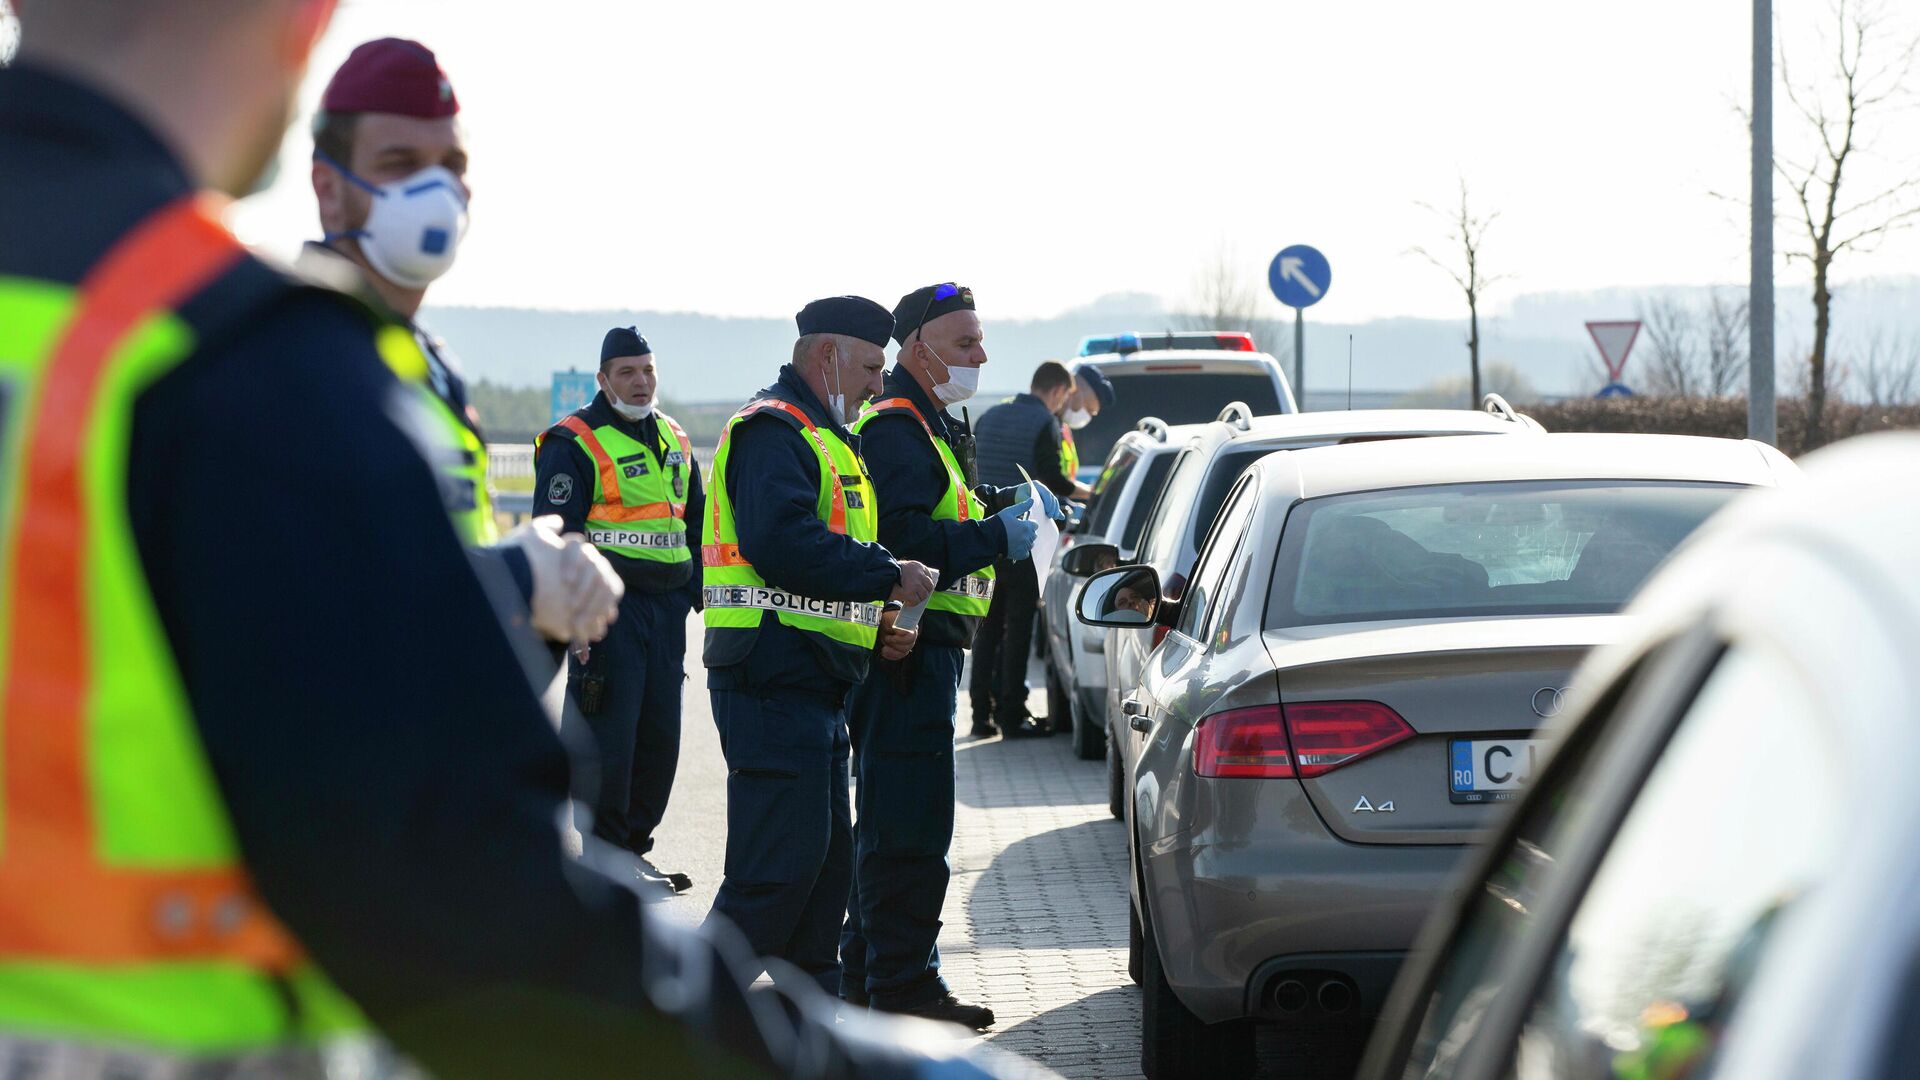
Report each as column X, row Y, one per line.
column 1123, row 494
column 1715, row 875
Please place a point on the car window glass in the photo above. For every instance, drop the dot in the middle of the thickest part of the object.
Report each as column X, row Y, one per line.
column 1106, row 491
column 1170, row 510
column 1226, row 469
column 1707, row 860
column 1148, row 493
column 1177, row 397
column 1212, row 566
column 1465, row 984
column 1481, row 549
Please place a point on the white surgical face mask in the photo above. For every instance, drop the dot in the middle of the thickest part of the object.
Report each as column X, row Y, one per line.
column 1075, row 419
column 631, row 412
column 836, row 397
column 962, row 382
column 415, row 227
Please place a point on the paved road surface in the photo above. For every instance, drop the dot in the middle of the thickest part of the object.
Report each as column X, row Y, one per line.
column 1036, row 918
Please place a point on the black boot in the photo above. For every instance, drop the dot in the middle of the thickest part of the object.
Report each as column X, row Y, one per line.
column 949, row 1009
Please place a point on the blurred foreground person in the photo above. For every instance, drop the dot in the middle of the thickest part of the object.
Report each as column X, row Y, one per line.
column 796, row 603
column 623, row 472
column 267, row 790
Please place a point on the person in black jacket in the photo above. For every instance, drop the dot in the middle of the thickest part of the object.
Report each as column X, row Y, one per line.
column 901, row 717
column 1021, row 432
column 623, row 473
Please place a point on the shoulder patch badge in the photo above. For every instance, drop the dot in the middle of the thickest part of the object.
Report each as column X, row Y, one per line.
column 561, row 489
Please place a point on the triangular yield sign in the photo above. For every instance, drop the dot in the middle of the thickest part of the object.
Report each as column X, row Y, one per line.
column 1615, row 340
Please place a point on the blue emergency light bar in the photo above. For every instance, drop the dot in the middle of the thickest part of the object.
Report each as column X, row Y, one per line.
column 1134, row 341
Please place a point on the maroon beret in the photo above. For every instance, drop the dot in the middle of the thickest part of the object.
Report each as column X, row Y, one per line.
column 391, row 75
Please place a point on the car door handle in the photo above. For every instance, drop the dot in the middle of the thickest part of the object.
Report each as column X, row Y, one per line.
column 1140, row 723
column 1139, row 715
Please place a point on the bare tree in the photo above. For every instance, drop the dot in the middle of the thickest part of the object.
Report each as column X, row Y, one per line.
column 1866, row 80
column 1226, row 296
column 1673, row 348
column 1726, row 342
column 1467, row 234
column 1889, row 367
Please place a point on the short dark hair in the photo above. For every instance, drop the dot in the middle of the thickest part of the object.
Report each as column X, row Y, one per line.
column 1050, row 376
column 333, row 134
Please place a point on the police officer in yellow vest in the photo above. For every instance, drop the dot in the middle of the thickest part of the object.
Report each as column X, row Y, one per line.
column 274, row 778
column 795, row 604
column 901, row 717
column 1092, row 391
column 389, row 174
column 623, row 472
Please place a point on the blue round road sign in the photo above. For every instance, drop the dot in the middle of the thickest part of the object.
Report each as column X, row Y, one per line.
column 1299, row 276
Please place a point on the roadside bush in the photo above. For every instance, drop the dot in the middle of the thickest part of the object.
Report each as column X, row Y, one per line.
column 1722, row 417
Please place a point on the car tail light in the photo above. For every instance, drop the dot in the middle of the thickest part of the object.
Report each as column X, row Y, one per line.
column 1234, row 342
column 1172, row 367
column 1244, row 743
column 1305, row 741
column 1328, row 734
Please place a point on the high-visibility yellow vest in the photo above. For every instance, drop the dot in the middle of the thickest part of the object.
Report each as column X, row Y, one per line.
column 735, row 598
column 639, row 497
column 126, row 913
column 460, row 458
column 1069, row 454
column 971, row 594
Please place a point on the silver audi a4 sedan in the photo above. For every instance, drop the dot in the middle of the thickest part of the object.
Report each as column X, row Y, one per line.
column 1351, row 682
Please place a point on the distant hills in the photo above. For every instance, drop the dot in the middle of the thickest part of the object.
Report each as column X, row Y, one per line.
column 1540, row 335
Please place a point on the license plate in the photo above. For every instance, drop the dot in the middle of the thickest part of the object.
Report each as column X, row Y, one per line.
column 1491, row 770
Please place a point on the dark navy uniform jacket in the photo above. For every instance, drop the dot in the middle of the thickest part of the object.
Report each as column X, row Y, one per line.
column 773, row 484
column 391, row 777
column 561, row 455
column 1021, row 431
column 910, row 480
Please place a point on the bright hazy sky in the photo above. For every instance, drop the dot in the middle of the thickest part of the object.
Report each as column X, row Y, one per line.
column 741, row 157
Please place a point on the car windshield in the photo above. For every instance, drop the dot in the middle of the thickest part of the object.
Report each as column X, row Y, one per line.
column 1178, row 397
column 1469, row 550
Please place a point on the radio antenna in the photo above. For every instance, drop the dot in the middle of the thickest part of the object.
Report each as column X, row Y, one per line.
column 1349, row 372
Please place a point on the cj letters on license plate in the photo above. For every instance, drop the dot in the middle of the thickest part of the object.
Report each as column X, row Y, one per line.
column 1492, row 770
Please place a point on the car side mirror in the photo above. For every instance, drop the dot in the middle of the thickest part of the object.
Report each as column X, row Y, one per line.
column 1124, row 597
column 1086, row 560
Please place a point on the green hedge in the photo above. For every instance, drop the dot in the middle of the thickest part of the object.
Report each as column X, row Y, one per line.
column 1722, row 417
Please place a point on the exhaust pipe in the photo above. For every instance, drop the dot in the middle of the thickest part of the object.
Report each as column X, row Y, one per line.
column 1289, row 995
column 1335, row 996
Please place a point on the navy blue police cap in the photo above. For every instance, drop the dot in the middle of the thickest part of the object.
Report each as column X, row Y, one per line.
column 623, row 341
column 852, row 316
column 1102, row 386
column 922, row 306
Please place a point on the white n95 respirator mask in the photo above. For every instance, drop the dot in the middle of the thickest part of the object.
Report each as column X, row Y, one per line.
column 415, row 226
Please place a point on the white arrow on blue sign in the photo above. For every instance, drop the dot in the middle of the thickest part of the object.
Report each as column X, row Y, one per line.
column 1299, row 276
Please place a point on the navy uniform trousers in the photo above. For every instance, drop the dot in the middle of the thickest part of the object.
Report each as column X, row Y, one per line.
column 902, row 725
column 637, row 729
column 789, row 829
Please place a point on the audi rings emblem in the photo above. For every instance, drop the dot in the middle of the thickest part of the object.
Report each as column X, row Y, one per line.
column 1548, row 700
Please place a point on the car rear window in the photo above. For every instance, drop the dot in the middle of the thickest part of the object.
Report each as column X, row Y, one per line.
column 1178, row 397
column 1466, row 550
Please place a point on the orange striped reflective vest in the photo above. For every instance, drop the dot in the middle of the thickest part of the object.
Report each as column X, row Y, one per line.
column 126, row 913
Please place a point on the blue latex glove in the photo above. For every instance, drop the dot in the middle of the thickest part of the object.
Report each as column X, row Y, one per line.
column 1020, row 532
column 1049, row 503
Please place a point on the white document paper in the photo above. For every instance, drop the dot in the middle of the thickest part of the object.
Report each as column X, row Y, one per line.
column 909, row 618
column 1047, row 540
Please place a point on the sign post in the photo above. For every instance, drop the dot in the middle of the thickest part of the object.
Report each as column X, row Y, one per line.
column 571, row 390
column 1299, row 277
column 1615, row 341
